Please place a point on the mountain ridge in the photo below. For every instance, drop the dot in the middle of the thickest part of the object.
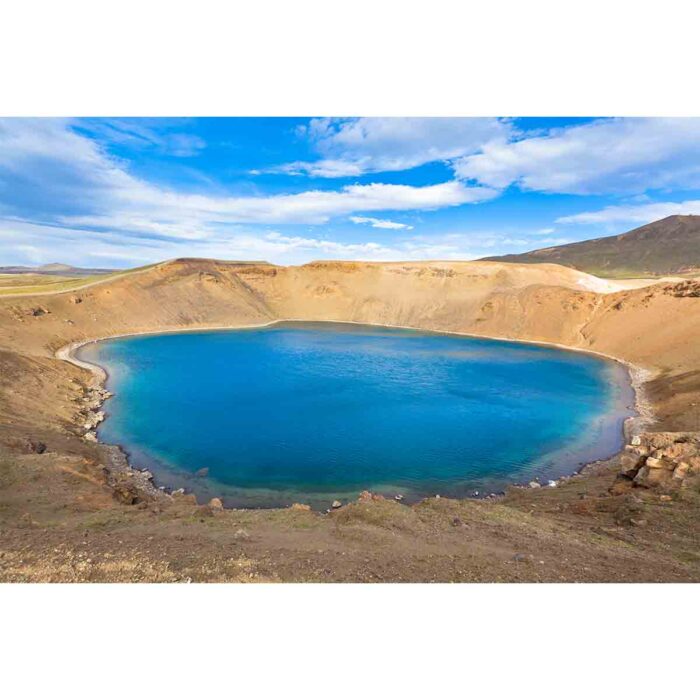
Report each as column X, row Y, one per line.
column 669, row 246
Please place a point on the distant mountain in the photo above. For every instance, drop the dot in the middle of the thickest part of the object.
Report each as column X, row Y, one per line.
column 55, row 269
column 665, row 247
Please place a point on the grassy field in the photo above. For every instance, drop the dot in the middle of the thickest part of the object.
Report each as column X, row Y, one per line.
column 14, row 284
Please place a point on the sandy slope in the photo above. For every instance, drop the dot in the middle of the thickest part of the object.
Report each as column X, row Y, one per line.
column 655, row 326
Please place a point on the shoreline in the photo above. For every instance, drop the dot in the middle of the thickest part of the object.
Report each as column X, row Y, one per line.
column 632, row 425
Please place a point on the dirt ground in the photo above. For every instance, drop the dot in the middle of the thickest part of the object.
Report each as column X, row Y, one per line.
column 67, row 514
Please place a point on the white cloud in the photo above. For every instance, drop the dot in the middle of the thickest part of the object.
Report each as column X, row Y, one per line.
column 605, row 156
column 352, row 147
column 545, row 231
column 52, row 170
column 33, row 244
column 379, row 223
column 633, row 213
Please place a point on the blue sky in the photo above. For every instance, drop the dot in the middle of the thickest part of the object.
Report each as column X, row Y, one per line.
column 123, row 192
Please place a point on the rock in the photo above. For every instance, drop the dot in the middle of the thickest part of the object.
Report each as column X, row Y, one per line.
column 365, row 496
column 90, row 436
column 398, row 497
column 27, row 521
column 519, row 557
column 125, row 492
column 552, row 484
column 655, row 476
column 300, row 506
column 622, row 484
column 216, row 504
column 457, row 522
column 204, row 471
column 636, row 440
column 630, row 462
column 39, row 311
column 241, row 534
column 665, row 498
column 681, row 471
column 534, row 485
column 178, row 492
column 336, row 504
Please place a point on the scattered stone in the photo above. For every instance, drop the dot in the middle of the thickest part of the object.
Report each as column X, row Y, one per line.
column 336, row 504
column 519, row 557
column 457, row 522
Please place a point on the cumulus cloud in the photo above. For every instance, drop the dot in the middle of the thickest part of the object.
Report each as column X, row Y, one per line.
column 604, row 156
column 633, row 213
column 352, row 147
column 59, row 187
column 379, row 223
column 50, row 168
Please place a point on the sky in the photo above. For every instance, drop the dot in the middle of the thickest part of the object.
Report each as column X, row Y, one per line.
column 116, row 192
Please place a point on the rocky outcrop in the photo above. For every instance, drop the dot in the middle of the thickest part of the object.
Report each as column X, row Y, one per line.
column 665, row 461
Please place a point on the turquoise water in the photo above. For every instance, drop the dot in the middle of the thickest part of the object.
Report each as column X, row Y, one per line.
column 314, row 412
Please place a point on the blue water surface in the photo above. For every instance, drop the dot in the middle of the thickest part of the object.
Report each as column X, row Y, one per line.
column 314, row 412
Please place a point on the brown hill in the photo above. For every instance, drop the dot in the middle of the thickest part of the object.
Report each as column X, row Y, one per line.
column 72, row 510
column 669, row 246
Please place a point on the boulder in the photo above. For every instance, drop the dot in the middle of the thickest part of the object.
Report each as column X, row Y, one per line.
column 630, row 462
column 336, row 504
column 534, row 485
column 216, row 505
column 300, row 506
column 125, row 492
column 681, row 471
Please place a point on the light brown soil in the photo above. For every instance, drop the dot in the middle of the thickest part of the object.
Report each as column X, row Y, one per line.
column 63, row 511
